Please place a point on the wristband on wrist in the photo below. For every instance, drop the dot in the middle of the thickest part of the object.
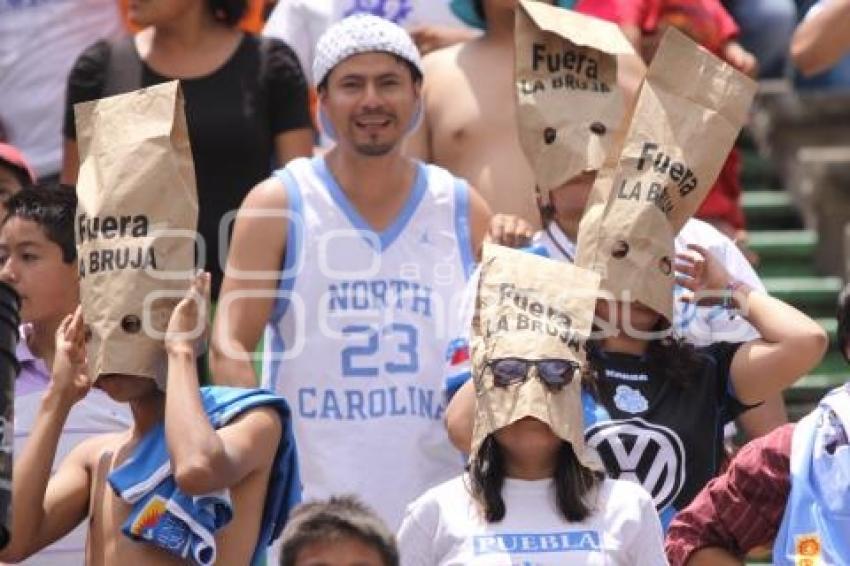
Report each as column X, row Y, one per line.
column 729, row 297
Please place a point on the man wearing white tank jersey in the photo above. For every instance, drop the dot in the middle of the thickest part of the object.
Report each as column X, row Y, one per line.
column 375, row 249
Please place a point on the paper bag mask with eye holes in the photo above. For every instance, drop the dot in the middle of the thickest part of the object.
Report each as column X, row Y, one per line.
column 570, row 106
column 689, row 111
column 531, row 308
column 135, row 226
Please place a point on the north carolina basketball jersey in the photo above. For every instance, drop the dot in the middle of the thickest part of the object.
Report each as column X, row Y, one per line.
column 359, row 332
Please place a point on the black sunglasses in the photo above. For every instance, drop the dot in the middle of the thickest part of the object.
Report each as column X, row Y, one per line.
column 554, row 373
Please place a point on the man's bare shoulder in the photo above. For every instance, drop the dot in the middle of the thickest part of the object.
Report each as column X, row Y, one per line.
column 269, row 193
column 442, row 56
column 449, row 59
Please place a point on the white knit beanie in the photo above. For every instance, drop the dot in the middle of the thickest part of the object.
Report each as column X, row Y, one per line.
column 361, row 33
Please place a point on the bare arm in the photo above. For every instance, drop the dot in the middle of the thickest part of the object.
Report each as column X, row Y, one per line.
column 479, row 220
column 204, row 459
column 822, row 39
column 70, row 162
column 43, row 508
column 713, row 556
column 429, row 38
column 250, row 283
column 760, row 420
column 293, row 143
column 460, row 412
column 791, row 343
column 460, row 417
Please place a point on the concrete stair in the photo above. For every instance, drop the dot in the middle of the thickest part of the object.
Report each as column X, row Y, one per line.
column 769, row 209
column 786, row 253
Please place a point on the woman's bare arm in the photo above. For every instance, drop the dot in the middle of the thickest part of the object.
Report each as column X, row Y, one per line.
column 822, row 39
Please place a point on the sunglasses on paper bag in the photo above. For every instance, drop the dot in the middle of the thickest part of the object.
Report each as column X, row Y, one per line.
column 554, row 373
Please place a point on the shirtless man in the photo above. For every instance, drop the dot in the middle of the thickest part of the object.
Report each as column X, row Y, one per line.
column 238, row 456
column 470, row 123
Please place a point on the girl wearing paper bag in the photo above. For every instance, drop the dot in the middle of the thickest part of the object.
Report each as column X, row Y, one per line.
column 534, row 492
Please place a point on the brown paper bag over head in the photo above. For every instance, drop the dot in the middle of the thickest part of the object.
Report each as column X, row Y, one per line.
column 689, row 112
column 531, row 308
column 570, row 107
column 136, row 223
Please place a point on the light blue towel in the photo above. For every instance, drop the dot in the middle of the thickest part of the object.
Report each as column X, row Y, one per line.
column 815, row 527
column 164, row 516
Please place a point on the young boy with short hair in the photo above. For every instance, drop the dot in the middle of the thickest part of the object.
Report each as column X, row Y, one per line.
column 38, row 259
column 341, row 531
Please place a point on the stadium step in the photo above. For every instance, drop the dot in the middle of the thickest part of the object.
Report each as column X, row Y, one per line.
column 816, row 296
column 784, row 253
column 784, row 245
column 756, row 171
column 786, row 266
column 768, row 210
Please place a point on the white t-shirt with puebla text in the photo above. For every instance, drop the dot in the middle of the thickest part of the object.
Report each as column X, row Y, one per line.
column 445, row 527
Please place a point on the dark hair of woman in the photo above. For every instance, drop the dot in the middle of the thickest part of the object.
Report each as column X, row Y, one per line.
column 479, row 9
column 229, row 12
column 678, row 361
column 573, row 482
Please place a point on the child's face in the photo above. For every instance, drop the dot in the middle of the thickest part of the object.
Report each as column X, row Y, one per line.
column 570, row 198
column 348, row 551
column 528, row 439
column 33, row 266
column 126, row 388
column 9, row 183
column 627, row 316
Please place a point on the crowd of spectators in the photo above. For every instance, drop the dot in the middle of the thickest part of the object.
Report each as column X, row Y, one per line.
column 411, row 139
